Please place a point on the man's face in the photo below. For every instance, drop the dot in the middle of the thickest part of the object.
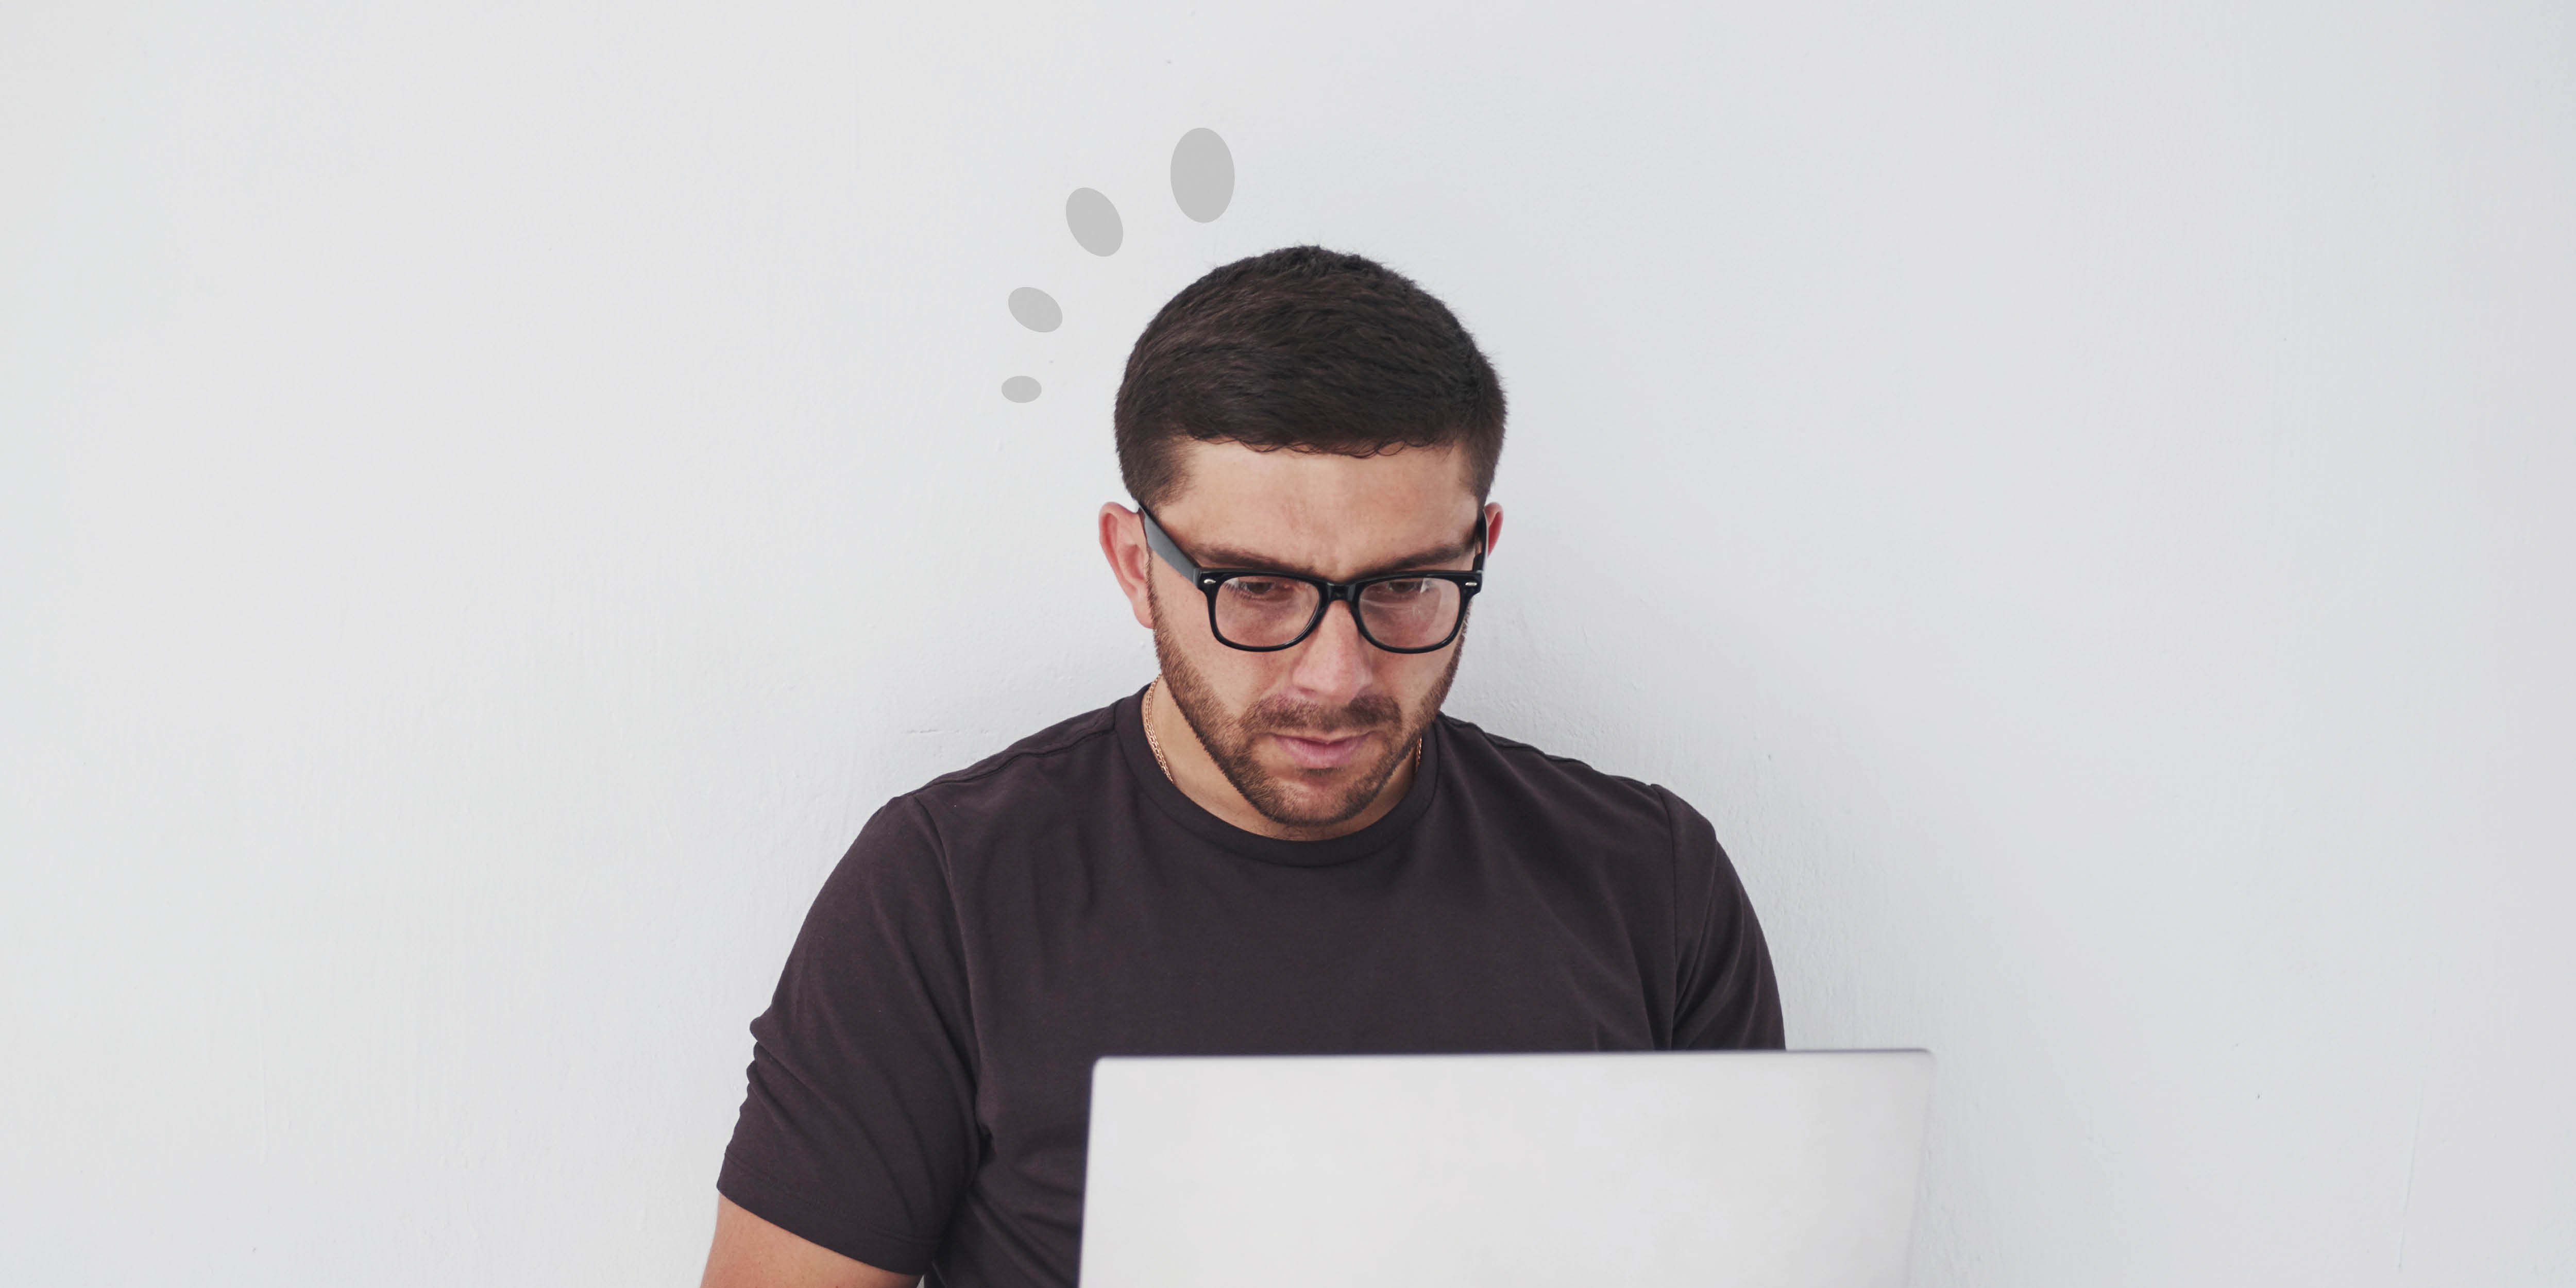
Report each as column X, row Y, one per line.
column 1309, row 734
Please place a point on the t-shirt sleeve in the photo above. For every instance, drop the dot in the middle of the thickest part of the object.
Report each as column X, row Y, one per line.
column 1727, row 998
column 858, row 1132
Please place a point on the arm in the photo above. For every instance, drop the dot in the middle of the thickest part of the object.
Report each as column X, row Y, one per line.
column 1728, row 998
column 752, row 1253
column 857, row 1134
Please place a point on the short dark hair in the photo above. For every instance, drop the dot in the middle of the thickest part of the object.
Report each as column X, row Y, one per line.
column 1308, row 349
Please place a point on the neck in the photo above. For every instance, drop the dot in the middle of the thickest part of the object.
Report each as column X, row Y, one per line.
column 1196, row 773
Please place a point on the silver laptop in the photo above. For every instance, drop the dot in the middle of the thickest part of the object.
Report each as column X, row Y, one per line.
column 1644, row 1170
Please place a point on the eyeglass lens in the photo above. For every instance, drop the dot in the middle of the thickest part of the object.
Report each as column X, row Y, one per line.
column 1408, row 612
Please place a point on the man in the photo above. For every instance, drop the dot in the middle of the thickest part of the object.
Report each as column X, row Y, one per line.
column 1277, row 846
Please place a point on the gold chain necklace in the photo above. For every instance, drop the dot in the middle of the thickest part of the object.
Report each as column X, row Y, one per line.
column 1150, row 739
column 1156, row 744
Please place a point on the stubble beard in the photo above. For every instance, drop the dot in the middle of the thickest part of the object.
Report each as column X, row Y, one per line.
column 1229, row 736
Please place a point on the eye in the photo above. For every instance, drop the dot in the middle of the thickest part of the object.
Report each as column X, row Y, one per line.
column 1408, row 588
column 1261, row 588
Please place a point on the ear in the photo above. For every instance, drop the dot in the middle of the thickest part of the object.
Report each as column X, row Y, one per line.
column 1122, row 539
column 1493, row 525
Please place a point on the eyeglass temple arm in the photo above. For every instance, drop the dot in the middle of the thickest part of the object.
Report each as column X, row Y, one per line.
column 1161, row 543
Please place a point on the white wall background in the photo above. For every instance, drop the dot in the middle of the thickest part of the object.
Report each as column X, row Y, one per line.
column 491, row 496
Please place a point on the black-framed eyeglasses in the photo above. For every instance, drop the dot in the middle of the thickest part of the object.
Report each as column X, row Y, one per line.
column 1261, row 610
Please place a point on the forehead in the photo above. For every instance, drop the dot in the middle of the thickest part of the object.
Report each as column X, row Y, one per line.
column 1332, row 514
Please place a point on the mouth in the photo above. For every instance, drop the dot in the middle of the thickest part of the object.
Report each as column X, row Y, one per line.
column 1322, row 753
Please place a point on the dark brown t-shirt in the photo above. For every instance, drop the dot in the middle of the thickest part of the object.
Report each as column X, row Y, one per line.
column 920, row 1086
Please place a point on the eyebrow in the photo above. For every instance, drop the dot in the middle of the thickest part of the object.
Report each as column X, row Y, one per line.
column 1230, row 558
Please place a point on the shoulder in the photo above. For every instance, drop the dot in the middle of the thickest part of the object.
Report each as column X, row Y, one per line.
column 912, row 838
column 1091, row 734
column 1593, row 812
column 1640, row 836
column 1059, row 767
column 1503, row 771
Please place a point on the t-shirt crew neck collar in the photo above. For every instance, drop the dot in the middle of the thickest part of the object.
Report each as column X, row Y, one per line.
column 1171, row 800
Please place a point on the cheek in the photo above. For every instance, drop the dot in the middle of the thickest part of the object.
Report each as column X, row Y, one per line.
column 1234, row 677
column 1413, row 677
column 1243, row 679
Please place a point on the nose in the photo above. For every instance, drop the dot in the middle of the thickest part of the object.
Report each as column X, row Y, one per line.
column 1333, row 664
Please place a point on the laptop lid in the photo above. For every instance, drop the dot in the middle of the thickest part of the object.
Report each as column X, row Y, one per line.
column 1644, row 1170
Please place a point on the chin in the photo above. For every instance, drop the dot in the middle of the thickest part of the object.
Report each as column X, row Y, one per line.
column 1296, row 797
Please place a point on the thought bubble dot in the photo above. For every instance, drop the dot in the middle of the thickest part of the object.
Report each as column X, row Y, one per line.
column 1036, row 309
column 1202, row 175
column 1020, row 389
column 1094, row 221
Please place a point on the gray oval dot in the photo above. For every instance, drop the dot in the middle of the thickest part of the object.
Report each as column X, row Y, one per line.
column 1020, row 389
column 1036, row 309
column 1094, row 221
column 1202, row 175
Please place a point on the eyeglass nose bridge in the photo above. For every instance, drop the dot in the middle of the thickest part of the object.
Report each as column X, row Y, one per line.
column 1349, row 595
